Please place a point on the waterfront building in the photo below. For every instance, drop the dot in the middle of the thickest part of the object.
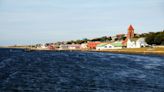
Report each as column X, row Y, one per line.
column 63, row 47
column 113, row 38
column 102, row 46
column 106, row 46
column 51, row 47
column 74, row 46
column 130, row 32
column 92, row 45
column 136, row 43
column 130, row 35
column 41, row 46
column 83, row 46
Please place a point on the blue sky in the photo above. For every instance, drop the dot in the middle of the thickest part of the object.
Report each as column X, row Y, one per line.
column 41, row 21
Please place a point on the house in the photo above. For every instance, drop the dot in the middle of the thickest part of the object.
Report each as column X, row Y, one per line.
column 74, row 46
column 63, row 47
column 105, row 46
column 51, row 47
column 102, row 46
column 41, row 46
column 113, row 38
column 136, row 43
column 92, row 45
column 83, row 46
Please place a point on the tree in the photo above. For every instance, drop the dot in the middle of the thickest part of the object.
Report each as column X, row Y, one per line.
column 123, row 38
column 70, row 42
column 86, row 40
column 155, row 38
column 159, row 39
column 109, row 38
column 150, row 38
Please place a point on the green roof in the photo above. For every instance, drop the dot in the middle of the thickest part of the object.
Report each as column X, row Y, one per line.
column 117, row 44
column 101, row 44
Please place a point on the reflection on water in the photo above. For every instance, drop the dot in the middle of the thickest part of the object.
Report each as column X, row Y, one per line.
column 79, row 72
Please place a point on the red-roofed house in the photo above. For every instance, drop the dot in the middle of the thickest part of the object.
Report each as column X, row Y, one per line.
column 92, row 45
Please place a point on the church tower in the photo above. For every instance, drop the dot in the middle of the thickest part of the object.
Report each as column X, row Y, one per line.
column 129, row 35
column 130, row 32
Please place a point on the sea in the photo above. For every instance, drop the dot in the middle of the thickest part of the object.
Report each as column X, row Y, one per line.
column 76, row 71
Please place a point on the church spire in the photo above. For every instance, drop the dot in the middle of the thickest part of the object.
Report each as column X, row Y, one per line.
column 130, row 27
column 130, row 32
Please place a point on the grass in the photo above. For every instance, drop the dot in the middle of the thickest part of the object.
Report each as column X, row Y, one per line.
column 159, row 51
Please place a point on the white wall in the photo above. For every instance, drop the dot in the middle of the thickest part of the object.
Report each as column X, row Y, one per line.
column 108, row 46
column 83, row 46
column 138, row 44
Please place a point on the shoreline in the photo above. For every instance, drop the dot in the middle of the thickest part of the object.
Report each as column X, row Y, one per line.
column 140, row 51
column 135, row 52
column 143, row 51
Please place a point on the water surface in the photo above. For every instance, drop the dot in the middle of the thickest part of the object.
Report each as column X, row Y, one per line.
column 43, row 71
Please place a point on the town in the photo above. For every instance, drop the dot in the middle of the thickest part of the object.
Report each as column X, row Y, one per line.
column 130, row 42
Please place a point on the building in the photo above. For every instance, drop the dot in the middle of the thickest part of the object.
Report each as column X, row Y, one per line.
column 136, row 43
column 105, row 46
column 102, row 46
column 92, row 45
column 63, row 47
column 74, row 46
column 130, row 32
column 113, row 38
column 83, row 46
column 41, row 46
column 130, row 35
column 51, row 47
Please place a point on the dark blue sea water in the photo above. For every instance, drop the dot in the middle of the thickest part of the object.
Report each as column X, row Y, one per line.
column 42, row 71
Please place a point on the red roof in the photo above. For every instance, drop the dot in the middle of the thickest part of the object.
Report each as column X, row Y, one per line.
column 130, row 27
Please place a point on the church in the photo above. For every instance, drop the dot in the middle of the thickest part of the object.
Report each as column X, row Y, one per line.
column 131, row 41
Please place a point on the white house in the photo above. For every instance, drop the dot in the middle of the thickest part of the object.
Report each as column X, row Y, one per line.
column 63, row 47
column 105, row 46
column 74, row 46
column 136, row 43
column 83, row 46
column 41, row 46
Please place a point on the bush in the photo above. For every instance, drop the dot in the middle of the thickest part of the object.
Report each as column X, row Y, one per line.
column 155, row 38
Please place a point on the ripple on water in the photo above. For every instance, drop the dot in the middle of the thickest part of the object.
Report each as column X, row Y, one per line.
column 80, row 72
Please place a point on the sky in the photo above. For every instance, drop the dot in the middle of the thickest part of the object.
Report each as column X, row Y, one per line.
column 39, row 21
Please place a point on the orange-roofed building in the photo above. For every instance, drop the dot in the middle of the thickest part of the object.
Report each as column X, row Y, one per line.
column 92, row 45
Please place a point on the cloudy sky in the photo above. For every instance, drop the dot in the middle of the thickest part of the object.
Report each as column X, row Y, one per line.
column 40, row 21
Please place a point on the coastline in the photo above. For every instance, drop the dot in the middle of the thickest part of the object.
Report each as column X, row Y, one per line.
column 134, row 52
column 141, row 51
column 144, row 51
